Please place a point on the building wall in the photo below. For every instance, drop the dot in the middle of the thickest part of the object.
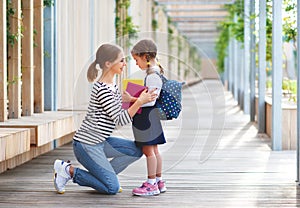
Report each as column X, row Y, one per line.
column 162, row 37
column 82, row 26
column 141, row 13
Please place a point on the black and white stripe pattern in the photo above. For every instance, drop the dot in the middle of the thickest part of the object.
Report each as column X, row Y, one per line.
column 104, row 114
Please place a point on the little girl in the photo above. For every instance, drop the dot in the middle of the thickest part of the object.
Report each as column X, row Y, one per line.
column 147, row 129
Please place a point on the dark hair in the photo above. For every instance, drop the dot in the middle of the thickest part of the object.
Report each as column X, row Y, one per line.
column 146, row 47
column 106, row 52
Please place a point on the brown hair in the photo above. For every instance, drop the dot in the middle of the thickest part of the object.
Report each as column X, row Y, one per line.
column 146, row 47
column 106, row 52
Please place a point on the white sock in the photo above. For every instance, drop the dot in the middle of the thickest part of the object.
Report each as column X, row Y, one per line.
column 151, row 181
column 158, row 179
column 68, row 170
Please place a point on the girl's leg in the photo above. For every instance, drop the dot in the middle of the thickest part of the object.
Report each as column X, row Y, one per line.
column 158, row 160
column 151, row 160
column 124, row 152
column 100, row 175
column 161, row 184
column 150, row 187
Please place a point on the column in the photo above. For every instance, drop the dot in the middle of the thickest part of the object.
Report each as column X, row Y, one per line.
column 262, row 67
column 277, row 75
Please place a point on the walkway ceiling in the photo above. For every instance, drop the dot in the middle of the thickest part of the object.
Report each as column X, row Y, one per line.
column 197, row 20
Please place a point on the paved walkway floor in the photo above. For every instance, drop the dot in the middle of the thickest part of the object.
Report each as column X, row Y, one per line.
column 213, row 158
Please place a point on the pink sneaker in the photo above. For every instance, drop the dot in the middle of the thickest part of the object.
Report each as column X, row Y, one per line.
column 146, row 189
column 162, row 186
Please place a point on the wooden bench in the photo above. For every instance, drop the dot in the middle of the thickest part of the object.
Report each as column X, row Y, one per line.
column 30, row 136
column 48, row 126
column 13, row 142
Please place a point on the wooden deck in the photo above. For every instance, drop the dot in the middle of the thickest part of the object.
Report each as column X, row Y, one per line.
column 213, row 158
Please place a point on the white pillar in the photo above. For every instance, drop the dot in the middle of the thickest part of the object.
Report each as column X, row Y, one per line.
column 298, row 92
column 277, row 75
column 262, row 67
column 252, row 62
column 246, row 55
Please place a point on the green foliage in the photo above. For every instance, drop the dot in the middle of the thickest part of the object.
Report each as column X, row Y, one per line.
column 289, row 27
column 235, row 20
column 221, row 45
column 10, row 11
column 126, row 26
column 235, row 29
column 129, row 28
column 48, row 3
column 290, row 86
column 232, row 26
column 154, row 24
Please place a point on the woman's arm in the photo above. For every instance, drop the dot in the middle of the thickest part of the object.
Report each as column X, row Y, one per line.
column 127, row 98
column 152, row 103
column 145, row 97
column 111, row 107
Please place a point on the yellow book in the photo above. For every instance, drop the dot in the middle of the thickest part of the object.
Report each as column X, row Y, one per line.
column 135, row 81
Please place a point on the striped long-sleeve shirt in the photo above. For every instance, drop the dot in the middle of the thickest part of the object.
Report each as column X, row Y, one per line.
column 104, row 114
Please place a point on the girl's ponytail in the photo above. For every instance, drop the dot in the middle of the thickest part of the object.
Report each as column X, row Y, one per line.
column 92, row 72
column 160, row 66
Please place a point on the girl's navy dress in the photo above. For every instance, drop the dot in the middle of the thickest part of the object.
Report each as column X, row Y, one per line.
column 147, row 128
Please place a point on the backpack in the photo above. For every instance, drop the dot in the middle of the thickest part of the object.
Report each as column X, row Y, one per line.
column 169, row 100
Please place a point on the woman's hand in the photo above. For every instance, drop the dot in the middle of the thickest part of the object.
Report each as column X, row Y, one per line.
column 147, row 96
column 126, row 97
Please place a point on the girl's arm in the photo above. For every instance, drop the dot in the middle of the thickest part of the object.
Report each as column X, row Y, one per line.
column 153, row 81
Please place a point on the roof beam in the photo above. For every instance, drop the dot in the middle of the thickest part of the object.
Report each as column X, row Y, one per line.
column 199, row 31
column 195, row 35
column 167, row 2
column 195, row 10
column 201, row 17
column 207, row 40
column 195, row 20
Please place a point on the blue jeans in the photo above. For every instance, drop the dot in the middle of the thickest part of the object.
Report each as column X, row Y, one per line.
column 101, row 173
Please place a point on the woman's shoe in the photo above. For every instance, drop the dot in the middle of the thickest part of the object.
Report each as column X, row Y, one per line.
column 61, row 176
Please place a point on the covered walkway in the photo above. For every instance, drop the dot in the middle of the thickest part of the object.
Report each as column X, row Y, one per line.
column 216, row 154
column 208, row 162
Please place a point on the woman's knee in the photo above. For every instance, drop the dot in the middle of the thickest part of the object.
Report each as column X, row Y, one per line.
column 139, row 152
column 113, row 189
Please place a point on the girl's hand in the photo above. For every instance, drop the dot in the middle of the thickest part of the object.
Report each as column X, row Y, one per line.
column 147, row 96
column 126, row 97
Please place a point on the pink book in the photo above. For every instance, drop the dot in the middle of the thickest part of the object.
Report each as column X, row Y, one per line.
column 134, row 90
